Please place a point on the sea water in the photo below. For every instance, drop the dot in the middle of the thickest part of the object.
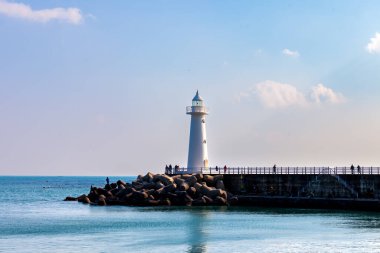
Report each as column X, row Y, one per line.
column 34, row 218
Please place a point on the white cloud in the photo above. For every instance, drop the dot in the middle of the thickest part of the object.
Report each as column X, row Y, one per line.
column 320, row 94
column 374, row 45
column 290, row 53
column 280, row 95
column 274, row 95
column 23, row 11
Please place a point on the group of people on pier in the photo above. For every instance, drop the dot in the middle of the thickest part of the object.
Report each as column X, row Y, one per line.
column 170, row 170
column 353, row 169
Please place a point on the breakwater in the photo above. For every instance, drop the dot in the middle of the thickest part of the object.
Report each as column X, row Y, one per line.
column 161, row 189
column 313, row 190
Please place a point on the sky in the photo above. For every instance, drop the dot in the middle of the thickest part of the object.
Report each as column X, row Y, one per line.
column 101, row 87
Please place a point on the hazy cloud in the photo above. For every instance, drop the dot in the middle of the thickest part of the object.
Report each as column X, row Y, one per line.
column 374, row 44
column 280, row 95
column 290, row 53
column 320, row 94
column 23, row 11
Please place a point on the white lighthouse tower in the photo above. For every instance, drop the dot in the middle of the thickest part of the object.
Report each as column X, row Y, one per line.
column 198, row 157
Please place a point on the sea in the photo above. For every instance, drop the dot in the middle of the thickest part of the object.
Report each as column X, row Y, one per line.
column 34, row 218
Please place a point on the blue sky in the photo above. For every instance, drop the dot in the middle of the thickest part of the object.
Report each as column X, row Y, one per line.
column 100, row 87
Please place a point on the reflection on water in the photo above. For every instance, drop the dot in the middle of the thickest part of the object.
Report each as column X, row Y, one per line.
column 197, row 234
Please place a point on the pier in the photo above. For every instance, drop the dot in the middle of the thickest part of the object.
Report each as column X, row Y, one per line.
column 303, row 187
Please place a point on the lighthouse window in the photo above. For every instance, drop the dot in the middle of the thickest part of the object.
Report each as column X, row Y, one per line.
column 197, row 103
column 204, row 141
column 203, row 121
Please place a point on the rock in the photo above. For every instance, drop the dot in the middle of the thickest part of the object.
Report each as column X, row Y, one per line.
column 121, row 182
column 161, row 189
column 224, row 194
column 175, row 177
column 104, row 192
column 153, row 202
column 197, row 186
column 184, row 187
column 170, row 188
column 208, row 179
column 149, row 185
column 120, row 187
column 93, row 195
column 207, row 199
column 138, row 186
column 219, row 185
column 199, row 202
column 220, row 201
column 150, row 191
column 165, row 202
column 84, row 200
column 165, row 179
column 148, row 177
column 114, row 192
column 81, row 197
column 139, row 195
column 205, row 189
column 124, row 192
column 191, row 180
column 199, row 177
column 192, row 191
column 186, row 176
column 159, row 185
column 102, row 202
column 68, row 198
column 179, row 181
column 214, row 193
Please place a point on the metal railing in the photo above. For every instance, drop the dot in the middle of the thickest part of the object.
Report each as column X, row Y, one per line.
column 196, row 109
column 281, row 170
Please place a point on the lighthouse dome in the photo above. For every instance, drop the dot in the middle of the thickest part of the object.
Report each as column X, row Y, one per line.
column 197, row 97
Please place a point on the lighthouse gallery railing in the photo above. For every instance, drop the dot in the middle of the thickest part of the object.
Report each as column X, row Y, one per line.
column 196, row 109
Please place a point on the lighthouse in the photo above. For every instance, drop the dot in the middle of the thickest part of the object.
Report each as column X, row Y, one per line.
column 198, row 157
